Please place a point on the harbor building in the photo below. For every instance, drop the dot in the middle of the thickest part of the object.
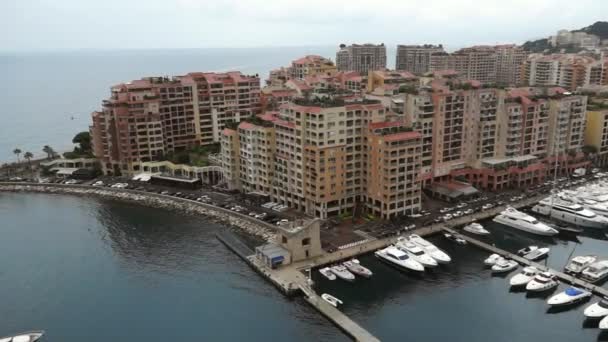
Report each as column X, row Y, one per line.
column 294, row 241
column 361, row 57
column 145, row 119
column 596, row 135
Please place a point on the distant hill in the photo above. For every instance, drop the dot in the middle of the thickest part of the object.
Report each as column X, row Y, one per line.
column 599, row 29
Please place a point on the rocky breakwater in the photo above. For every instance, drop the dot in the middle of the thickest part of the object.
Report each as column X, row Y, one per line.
column 244, row 223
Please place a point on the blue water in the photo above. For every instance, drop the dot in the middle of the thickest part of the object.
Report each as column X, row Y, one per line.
column 47, row 98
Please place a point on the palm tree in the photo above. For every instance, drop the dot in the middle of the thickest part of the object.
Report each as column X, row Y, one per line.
column 18, row 153
column 48, row 150
column 29, row 156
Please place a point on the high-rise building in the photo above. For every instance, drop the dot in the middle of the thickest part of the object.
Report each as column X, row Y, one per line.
column 148, row 118
column 596, row 134
column 565, row 70
column 361, row 57
column 508, row 63
column 312, row 65
column 415, row 58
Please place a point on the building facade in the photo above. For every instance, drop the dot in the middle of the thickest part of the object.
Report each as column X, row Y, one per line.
column 361, row 57
column 596, row 135
column 565, row 70
column 416, row 58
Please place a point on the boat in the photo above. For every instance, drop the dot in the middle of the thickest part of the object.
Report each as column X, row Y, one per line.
column 416, row 252
column 476, row 228
column 579, row 263
column 571, row 213
column 516, row 219
column 503, row 265
column 455, row 238
column 356, row 268
column 542, row 282
column 604, row 324
column 538, row 253
column 327, row 273
column 566, row 228
column 28, row 336
column 491, row 260
column 397, row 257
column 341, row 272
column 526, row 250
column 571, row 295
column 331, row 300
column 524, row 277
column 432, row 250
column 596, row 271
column 597, row 310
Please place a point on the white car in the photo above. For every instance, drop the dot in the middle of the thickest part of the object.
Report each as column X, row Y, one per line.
column 71, row 181
column 98, row 183
column 487, row 206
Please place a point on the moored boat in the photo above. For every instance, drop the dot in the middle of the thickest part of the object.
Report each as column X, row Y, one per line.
column 579, row 263
column 604, row 324
column 524, row 277
column 571, row 213
column 28, row 336
column 526, row 250
column 334, row 301
column 396, row 257
column 455, row 238
column 341, row 272
column 356, row 268
column 491, row 260
column 436, row 253
column 597, row 310
column 538, row 254
column 476, row 228
column 571, row 295
column 503, row 265
column 516, row 219
column 327, row 273
column 542, row 282
column 596, row 272
column 416, row 252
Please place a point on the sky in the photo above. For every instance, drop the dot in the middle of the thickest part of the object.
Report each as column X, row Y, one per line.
column 145, row 24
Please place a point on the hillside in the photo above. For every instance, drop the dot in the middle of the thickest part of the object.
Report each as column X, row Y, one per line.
column 599, row 29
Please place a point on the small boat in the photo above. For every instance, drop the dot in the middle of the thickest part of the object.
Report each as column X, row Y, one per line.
column 341, row 272
column 571, row 295
column 331, row 300
column 415, row 252
column 604, row 323
column 399, row 258
column 476, row 228
column 503, row 265
column 542, row 282
column 455, row 238
column 327, row 273
column 355, row 267
column 526, row 250
column 491, row 260
column 29, row 336
column 538, row 253
column 432, row 250
column 524, row 277
column 579, row 263
column 597, row 310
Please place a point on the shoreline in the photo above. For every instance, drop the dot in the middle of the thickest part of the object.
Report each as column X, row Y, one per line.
column 244, row 223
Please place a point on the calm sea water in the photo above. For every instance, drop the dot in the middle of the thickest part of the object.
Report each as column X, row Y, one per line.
column 48, row 97
column 98, row 270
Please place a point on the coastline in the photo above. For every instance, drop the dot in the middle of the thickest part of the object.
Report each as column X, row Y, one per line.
column 246, row 224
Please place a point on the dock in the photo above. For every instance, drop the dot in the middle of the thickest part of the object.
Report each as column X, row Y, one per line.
column 598, row 290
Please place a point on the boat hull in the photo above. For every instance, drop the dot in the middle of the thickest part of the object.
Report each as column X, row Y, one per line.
column 569, row 218
column 500, row 219
column 401, row 267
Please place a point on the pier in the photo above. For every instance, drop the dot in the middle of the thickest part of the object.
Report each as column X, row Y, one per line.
column 598, row 290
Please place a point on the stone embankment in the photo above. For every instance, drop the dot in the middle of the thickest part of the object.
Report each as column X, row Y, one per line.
column 245, row 223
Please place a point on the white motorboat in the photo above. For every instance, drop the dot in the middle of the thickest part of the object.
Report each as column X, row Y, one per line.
column 432, row 250
column 29, row 336
column 524, row 277
column 356, row 268
column 579, row 263
column 331, row 300
column 341, row 272
column 526, row 250
column 538, row 253
column 327, row 273
column 397, row 257
column 476, row 228
column 416, row 252
column 491, row 260
column 571, row 213
column 455, row 238
column 514, row 218
column 596, row 272
column 503, row 265
column 597, row 310
column 604, row 324
column 542, row 282
column 571, row 295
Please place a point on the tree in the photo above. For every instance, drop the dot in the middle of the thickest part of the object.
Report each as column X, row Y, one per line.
column 50, row 153
column 29, row 156
column 83, row 139
column 18, row 153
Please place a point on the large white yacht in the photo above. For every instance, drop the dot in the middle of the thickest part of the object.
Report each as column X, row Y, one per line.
column 399, row 258
column 596, row 271
column 416, row 253
column 516, row 219
column 571, row 213
column 437, row 254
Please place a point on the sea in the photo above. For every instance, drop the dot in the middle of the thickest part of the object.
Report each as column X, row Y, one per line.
column 104, row 270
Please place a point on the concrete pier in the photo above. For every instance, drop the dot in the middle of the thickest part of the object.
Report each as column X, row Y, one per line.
column 598, row 290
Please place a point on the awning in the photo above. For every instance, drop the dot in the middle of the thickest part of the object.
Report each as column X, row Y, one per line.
column 64, row 171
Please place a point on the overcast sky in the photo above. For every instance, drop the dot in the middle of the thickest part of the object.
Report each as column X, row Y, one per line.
column 110, row 24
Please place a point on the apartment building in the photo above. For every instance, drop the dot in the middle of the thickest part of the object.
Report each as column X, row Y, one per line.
column 388, row 82
column 416, row 58
column 566, row 124
column 565, row 70
column 509, row 59
column 148, row 118
column 361, row 57
column 312, row 65
column 565, row 38
column 596, row 135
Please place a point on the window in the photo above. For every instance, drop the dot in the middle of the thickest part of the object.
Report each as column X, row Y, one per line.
column 283, row 239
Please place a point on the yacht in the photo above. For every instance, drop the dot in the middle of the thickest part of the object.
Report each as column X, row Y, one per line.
column 571, row 295
column 327, row 273
column 341, row 272
column 524, row 277
column 571, row 213
column 416, row 253
column 455, row 238
column 333, row 301
column 597, row 310
column 596, row 271
column 492, row 259
column 432, row 250
column 29, row 336
column 604, row 323
column 355, row 267
column 503, row 265
column 476, row 228
column 516, row 219
column 526, row 250
column 397, row 257
column 579, row 263
column 542, row 282
column 537, row 254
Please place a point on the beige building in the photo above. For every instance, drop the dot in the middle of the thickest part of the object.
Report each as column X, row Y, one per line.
column 312, row 65
column 565, row 70
column 295, row 241
column 596, row 134
column 415, row 58
column 361, row 57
